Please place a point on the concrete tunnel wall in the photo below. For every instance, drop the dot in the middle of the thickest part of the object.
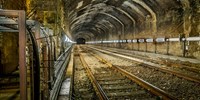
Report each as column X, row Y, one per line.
column 97, row 20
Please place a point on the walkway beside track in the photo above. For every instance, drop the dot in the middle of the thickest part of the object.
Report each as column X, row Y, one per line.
column 155, row 55
column 66, row 85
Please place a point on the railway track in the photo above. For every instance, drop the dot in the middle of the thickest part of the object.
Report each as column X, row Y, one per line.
column 82, row 87
column 178, row 86
column 111, row 82
column 191, row 69
column 153, row 64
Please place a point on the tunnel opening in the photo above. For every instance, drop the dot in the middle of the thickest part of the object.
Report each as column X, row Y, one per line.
column 80, row 41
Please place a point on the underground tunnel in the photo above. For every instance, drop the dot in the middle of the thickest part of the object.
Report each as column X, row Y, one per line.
column 133, row 49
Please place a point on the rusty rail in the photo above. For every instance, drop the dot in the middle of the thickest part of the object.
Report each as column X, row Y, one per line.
column 193, row 69
column 100, row 93
column 153, row 89
column 153, row 65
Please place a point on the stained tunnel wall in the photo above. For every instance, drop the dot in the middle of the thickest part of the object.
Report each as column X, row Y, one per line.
column 173, row 18
column 174, row 21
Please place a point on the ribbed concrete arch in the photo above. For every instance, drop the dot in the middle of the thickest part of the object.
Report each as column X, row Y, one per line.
column 129, row 16
column 101, row 29
column 107, row 28
column 76, row 28
column 103, row 25
column 113, row 17
column 72, row 26
column 76, row 24
column 85, row 36
column 83, row 15
column 84, row 33
column 153, row 15
column 133, row 7
column 90, row 32
column 92, row 11
column 122, row 29
column 84, row 8
column 77, row 18
column 108, row 22
column 74, row 31
column 104, row 21
column 132, row 14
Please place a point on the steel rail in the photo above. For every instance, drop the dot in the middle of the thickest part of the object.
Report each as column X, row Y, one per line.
column 193, row 69
column 153, row 89
column 153, row 65
column 71, row 75
column 58, row 82
column 100, row 93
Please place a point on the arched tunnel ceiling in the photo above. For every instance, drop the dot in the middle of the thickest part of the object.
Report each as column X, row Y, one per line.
column 94, row 19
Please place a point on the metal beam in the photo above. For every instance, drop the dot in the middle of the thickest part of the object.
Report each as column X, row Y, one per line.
column 7, row 21
column 9, row 13
column 22, row 47
column 7, row 29
column 22, row 55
